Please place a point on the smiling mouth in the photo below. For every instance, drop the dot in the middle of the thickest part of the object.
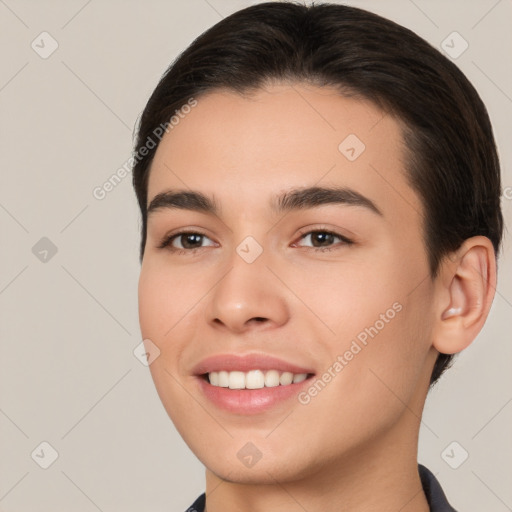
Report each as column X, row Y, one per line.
column 254, row 379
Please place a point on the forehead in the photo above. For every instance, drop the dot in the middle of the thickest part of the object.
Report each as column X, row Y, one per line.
column 242, row 147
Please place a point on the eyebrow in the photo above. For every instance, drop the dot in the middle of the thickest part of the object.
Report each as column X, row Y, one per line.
column 295, row 199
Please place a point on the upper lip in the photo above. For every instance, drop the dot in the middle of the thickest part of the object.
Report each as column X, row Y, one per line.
column 245, row 363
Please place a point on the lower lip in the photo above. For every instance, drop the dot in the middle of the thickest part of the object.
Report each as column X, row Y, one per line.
column 250, row 401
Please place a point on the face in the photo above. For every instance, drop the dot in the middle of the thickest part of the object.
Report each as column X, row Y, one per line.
column 287, row 290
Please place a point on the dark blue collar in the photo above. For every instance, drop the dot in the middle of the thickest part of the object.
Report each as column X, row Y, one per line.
column 433, row 491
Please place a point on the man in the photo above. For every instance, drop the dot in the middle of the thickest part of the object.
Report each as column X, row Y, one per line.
column 319, row 191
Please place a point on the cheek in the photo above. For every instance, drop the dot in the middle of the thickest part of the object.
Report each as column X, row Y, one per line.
column 166, row 306
column 386, row 358
column 167, row 298
column 153, row 296
column 342, row 298
column 375, row 312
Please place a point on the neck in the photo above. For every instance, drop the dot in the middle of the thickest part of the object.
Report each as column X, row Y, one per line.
column 383, row 475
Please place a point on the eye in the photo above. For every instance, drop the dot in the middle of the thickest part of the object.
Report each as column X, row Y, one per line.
column 185, row 241
column 189, row 241
column 323, row 239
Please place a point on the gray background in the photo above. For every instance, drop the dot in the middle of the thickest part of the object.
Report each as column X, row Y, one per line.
column 69, row 325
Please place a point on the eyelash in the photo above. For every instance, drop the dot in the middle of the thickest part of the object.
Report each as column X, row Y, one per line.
column 167, row 241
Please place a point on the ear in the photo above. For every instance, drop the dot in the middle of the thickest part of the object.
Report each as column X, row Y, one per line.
column 466, row 284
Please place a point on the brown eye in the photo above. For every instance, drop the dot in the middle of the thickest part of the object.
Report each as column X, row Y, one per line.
column 324, row 239
column 185, row 241
column 190, row 240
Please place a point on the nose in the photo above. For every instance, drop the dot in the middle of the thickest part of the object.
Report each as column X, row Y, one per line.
column 248, row 297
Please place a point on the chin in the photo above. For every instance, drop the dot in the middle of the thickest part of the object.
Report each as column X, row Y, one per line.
column 236, row 465
column 262, row 473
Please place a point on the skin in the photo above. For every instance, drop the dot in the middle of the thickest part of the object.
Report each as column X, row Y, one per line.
column 361, row 431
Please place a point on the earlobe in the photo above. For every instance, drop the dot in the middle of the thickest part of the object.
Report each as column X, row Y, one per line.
column 467, row 286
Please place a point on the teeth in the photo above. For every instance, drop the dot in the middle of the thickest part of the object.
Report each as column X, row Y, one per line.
column 286, row 379
column 236, row 380
column 272, row 379
column 214, row 378
column 254, row 379
column 223, row 379
column 299, row 377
